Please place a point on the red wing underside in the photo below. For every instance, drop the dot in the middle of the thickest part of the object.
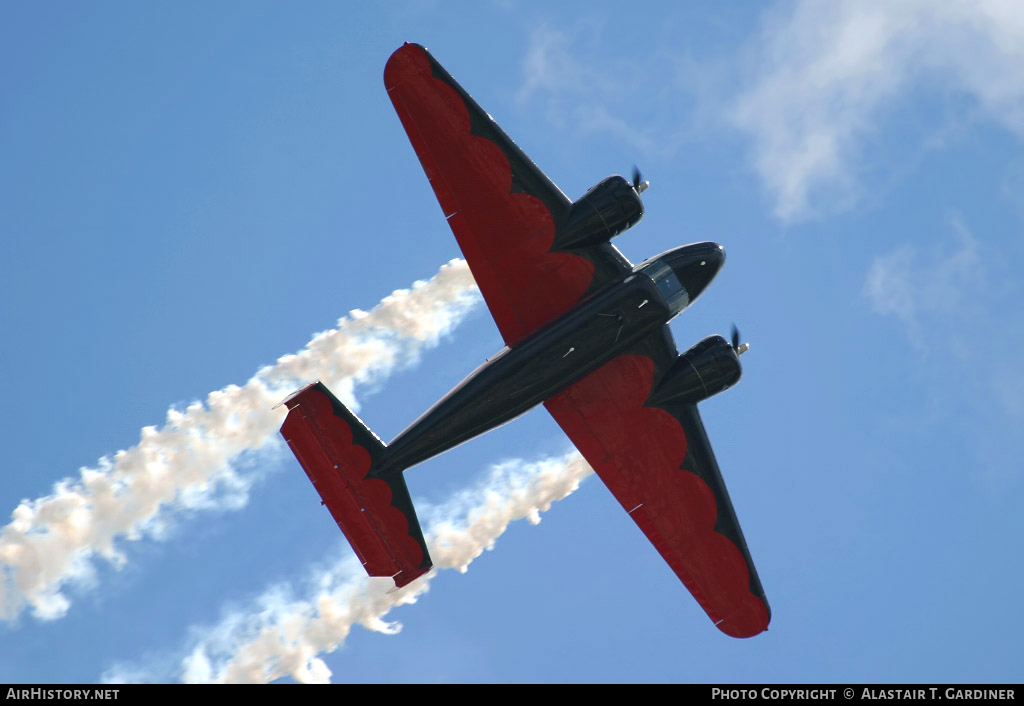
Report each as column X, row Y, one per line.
column 659, row 465
column 498, row 204
column 376, row 514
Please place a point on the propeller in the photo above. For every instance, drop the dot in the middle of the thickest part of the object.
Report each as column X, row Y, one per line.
column 740, row 348
column 639, row 185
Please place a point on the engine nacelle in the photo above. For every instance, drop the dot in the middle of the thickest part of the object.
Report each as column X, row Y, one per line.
column 600, row 214
column 708, row 368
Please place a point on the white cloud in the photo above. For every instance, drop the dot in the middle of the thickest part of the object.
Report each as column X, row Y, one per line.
column 957, row 303
column 581, row 96
column 936, row 290
column 826, row 72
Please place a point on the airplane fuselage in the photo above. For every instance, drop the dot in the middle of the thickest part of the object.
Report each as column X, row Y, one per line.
column 519, row 378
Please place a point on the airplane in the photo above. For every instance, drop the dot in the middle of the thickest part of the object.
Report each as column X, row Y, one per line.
column 586, row 335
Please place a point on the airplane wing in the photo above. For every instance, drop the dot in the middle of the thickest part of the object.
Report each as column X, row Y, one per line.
column 657, row 461
column 505, row 213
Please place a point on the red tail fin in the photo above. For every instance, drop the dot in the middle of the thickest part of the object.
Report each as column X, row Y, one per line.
column 375, row 512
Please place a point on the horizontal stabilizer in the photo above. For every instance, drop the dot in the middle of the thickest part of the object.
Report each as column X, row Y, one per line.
column 338, row 453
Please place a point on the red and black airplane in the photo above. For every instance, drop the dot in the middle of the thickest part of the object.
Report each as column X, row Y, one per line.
column 587, row 336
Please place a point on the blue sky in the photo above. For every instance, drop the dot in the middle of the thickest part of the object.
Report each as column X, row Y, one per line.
column 192, row 191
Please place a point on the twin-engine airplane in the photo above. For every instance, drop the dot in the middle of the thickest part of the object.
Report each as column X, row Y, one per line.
column 587, row 336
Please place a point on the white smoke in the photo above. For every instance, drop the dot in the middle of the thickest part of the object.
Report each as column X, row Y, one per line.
column 188, row 463
column 279, row 637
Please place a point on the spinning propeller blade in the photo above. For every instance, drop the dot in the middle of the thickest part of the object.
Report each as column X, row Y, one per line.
column 740, row 348
column 639, row 185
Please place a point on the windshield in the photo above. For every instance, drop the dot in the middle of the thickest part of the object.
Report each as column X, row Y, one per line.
column 668, row 285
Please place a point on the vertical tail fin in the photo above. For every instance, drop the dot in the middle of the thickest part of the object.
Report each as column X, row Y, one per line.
column 338, row 453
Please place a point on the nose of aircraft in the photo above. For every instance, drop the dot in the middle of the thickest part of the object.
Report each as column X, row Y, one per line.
column 696, row 265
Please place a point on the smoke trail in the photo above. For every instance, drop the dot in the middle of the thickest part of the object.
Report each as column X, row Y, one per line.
column 54, row 539
column 279, row 637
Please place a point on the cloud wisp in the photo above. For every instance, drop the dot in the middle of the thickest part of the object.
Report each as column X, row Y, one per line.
column 578, row 95
column 191, row 462
column 954, row 303
column 279, row 637
column 827, row 72
column 941, row 288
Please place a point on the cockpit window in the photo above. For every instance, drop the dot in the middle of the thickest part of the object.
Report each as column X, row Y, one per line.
column 668, row 284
